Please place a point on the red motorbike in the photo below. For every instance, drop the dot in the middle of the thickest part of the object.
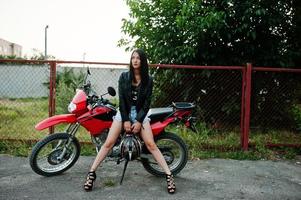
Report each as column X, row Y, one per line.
column 58, row 152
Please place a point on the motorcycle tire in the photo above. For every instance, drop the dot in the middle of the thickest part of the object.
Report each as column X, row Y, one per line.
column 51, row 164
column 176, row 159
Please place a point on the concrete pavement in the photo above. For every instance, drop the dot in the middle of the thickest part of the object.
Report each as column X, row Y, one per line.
column 202, row 179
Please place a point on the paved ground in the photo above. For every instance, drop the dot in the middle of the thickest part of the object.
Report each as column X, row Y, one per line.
column 204, row 179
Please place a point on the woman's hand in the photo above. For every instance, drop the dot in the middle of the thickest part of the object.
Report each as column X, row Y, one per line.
column 127, row 126
column 136, row 127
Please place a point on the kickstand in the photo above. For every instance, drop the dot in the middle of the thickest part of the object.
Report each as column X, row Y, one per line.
column 124, row 168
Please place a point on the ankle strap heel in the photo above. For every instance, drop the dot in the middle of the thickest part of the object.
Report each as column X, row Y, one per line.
column 171, row 186
column 91, row 177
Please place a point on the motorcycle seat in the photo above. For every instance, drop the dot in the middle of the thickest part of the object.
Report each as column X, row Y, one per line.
column 159, row 114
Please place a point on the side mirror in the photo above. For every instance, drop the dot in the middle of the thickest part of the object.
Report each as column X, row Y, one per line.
column 111, row 91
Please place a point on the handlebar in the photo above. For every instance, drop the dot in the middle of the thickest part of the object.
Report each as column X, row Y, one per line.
column 96, row 101
column 93, row 99
column 107, row 101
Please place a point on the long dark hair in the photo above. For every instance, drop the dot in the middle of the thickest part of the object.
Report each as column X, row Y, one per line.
column 143, row 68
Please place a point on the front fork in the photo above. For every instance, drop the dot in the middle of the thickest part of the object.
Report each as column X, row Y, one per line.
column 71, row 130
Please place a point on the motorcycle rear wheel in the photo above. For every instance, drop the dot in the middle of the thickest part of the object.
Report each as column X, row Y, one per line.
column 45, row 157
column 174, row 151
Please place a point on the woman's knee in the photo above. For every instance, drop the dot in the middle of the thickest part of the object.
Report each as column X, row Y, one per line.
column 151, row 145
column 109, row 144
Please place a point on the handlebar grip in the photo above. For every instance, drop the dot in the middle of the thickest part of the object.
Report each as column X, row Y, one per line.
column 109, row 102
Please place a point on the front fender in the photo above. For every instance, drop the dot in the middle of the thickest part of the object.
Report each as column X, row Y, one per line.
column 54, row 120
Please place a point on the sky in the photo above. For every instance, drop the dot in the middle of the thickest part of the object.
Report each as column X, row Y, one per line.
column 78, row 29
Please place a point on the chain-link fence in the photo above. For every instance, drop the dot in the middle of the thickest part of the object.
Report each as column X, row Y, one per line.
column 23, row 99
column 274, row 97
column 217, row 91
column 70, row 77
column 276, row 105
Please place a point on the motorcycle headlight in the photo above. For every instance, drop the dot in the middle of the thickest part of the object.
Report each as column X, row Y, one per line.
column 71, row 107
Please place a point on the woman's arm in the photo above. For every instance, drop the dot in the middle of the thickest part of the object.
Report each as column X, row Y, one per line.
column 145, row 108
column 122, row 106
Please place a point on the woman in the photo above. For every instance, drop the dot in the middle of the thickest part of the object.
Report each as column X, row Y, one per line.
column 135, row 91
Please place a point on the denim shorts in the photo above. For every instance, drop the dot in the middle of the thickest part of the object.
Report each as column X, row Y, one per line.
column 132, row 116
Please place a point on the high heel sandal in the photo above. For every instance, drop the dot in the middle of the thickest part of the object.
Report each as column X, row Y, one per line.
column 91, row 177
column 171, row 186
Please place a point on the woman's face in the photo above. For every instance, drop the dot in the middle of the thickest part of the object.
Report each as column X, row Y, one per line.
column 135, row 59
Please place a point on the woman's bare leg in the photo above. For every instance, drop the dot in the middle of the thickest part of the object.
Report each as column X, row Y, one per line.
column 106, row 147
column 148, row 138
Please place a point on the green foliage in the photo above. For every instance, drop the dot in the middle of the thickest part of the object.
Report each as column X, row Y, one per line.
column 8, row 113
column 18, row 118
column 226, row 32
column 24, row 148
column 64, row 96
column 67, row 82
column 88, row 150
column 109, row 183
column 17, row 148
column 37, row 55
column 9, row 57
column 273, row 95
column 296, row 112
column 213, row 144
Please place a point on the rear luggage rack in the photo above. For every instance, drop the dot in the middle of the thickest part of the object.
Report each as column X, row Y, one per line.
column 182, row 105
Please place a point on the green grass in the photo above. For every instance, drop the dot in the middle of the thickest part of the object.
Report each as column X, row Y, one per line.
column 19, row 148
column 109, row 183
column 18, row 118
column 215, row 144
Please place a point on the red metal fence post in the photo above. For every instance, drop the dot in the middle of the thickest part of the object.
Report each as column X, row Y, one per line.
column 242, row 115
column 247, row 105
column 52, row 80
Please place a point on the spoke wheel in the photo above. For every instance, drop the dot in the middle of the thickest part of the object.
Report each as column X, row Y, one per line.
column 174, row 151
column 54, row 154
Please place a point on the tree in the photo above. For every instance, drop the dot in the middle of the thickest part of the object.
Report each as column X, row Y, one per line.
column 210, row 32
column 203, row 32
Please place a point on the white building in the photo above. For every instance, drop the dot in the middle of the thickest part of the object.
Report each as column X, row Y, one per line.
column 9, row 49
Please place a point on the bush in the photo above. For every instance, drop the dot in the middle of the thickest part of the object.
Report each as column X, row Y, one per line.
column 296, row 112
column 64, row 95
column 67, row 82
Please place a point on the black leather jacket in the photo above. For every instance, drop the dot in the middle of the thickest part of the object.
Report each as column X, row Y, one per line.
column 125, row 100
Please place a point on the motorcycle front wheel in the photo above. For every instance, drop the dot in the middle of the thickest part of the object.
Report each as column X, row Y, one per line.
column 54, row 154
column 174, row 151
